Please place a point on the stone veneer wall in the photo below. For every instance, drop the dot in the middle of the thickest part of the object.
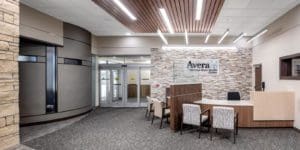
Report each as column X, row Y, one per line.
column 235, row 71
column 9, row 82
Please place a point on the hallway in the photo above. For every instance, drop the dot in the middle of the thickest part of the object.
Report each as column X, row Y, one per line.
column 127, row 129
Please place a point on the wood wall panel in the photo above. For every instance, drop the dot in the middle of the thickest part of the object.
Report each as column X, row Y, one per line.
column 181, row 13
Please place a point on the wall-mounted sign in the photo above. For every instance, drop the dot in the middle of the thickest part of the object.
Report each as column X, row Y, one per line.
column 203, row 66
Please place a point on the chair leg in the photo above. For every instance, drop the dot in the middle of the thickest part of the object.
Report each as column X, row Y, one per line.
column 234, row 137
column 161, row 121
column 152, row 119
column 216, row 130
column 211, row 132
column 237, row 128
column 181, row 128
column 200, row 127
column 146, row 113
column 149, row 115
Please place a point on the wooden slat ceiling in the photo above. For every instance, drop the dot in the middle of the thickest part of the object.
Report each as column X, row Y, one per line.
column 181, row 14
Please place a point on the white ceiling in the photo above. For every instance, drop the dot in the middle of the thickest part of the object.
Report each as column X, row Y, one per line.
column 248, row 16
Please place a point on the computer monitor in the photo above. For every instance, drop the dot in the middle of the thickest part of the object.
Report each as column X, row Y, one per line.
column 233, row 96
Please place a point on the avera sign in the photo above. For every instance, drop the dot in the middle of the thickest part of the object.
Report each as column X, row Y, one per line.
column 204, row 66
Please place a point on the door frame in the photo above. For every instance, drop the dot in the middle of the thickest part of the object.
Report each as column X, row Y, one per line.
column 255, row 77
column 124, row 83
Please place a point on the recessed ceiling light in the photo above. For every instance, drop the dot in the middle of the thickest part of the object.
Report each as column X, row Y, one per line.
column 186, row 37
column 166, row 20
column 258, row 35
column 199, row 9
column 207, row 38
column 239, row 37
column 162, row 37
column 223, row 37
column 125, row 9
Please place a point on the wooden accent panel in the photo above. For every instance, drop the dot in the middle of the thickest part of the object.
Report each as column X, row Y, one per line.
column 246, row 118
column 179, row 94
column 181, row 13
column 132, row 90
column 145, row 90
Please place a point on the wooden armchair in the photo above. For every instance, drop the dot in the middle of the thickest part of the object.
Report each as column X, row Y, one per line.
column 225, row 118
column 160, row 111
column 192, row 115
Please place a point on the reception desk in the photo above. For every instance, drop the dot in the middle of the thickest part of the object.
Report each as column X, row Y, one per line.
column 246, row 108
column 264, row 109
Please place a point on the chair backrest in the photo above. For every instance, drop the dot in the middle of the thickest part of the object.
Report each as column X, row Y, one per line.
column 150, row 102
column 158, row 107
column 233, row 96
column 223, row 117
column 191, row 114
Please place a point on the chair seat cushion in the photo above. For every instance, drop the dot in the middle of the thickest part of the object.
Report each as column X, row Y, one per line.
column 197, row 123
column 167, row 111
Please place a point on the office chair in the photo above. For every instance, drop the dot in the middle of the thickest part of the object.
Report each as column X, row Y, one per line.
column 233, row 96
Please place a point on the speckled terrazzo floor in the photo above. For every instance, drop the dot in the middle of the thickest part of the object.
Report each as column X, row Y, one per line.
column 127, row 129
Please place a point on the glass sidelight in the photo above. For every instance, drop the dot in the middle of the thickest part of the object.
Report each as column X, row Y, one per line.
column 132, row 85
column 105, row 86
column 145, row 84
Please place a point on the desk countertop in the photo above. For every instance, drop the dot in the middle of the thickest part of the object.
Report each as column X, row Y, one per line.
column 224, row 102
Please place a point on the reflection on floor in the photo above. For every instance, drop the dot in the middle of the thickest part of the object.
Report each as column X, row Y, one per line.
column 127, row 129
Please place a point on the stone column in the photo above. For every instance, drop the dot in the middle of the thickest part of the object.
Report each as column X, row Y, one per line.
column 9, row 80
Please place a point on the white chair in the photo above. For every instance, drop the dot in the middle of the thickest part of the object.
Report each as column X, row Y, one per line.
column 192, row 115
column 160, row 111
column 225, row 118
column 150, row 108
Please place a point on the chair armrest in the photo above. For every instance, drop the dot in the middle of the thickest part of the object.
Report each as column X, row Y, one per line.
column 236, row 115
column 202, row 113
column 167, row 107
column 151, row 106
column 205, row 111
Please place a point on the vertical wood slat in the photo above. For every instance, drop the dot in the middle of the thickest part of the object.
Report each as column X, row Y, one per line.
column 181, row 13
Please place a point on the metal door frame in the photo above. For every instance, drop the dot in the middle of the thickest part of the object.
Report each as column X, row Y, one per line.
column 124, row 83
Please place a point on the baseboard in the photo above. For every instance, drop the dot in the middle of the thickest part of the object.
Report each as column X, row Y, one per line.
column 298, row 130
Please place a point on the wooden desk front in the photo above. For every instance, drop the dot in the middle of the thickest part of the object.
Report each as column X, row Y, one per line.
column 245, row 110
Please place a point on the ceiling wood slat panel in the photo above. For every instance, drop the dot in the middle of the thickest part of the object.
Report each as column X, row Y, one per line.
column 181, row 14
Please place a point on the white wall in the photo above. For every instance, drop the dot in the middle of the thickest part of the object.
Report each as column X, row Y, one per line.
column 283, row 39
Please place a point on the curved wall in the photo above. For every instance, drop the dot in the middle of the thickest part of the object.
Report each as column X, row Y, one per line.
column 73, row 77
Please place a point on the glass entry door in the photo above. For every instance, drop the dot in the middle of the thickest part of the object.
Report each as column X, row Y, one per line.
column 111, row 86
column 124, row 86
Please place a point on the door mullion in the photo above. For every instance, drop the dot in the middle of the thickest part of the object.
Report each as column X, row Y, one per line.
column 125, row 86
column 139, row 86
column 111, row 87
